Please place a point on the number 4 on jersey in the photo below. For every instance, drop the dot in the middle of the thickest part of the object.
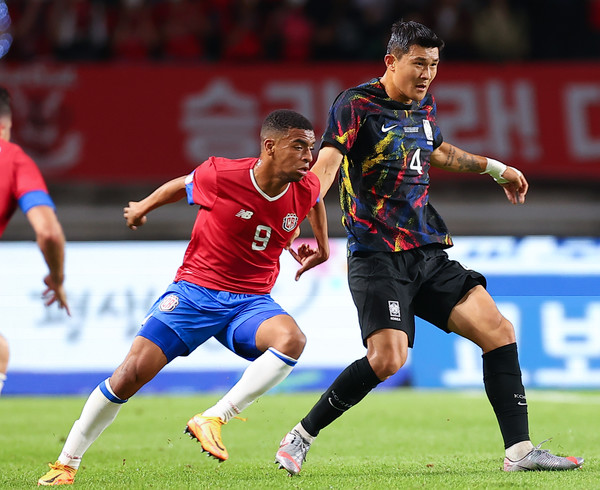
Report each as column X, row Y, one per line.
column 415, row 162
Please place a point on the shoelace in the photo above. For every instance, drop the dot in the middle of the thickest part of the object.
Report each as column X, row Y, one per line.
column 540, row 445
column 304, row 446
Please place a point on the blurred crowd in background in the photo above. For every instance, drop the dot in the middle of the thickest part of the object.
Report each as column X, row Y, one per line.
column 245, row 31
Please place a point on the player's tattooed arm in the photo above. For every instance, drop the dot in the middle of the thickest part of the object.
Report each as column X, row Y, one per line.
column 453, row 159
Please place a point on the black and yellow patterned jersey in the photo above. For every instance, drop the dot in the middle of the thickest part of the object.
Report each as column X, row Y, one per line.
column 384, row 175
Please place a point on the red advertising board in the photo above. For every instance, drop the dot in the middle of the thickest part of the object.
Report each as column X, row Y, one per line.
column 117, row 123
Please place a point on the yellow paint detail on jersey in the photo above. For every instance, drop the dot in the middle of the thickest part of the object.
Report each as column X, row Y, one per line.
column 343, row 139
column 378, row 155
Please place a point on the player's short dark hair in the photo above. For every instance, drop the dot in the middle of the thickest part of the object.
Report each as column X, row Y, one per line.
column 5, row 103
column 407, row 34
column 282, row 120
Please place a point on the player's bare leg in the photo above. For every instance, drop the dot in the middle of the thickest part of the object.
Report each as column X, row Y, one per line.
column 477, row 318
column 144, row 360
column 282, row 343
column 4, row 356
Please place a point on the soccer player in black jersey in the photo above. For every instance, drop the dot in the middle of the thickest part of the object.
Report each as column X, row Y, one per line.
column 383, row 137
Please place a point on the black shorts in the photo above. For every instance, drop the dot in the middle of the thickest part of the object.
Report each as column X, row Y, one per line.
column 390, row 288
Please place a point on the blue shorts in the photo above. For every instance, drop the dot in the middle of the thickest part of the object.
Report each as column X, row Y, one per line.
column 187, row 315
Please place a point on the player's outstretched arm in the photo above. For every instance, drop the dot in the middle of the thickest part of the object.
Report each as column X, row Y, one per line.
column 326, row 167
column 51, row 241
column 306, row 256
column 172, row 191
column 453, row 159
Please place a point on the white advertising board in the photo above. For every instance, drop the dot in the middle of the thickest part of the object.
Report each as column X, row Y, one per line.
column 549, row 288
column 111, row 285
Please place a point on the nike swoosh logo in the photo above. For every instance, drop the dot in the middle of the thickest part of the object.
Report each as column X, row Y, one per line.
column 331, row 403
column 385, row 130
column 214, row 437
column 521, row 403
column 215, row 440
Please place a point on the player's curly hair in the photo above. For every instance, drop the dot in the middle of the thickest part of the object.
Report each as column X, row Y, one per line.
column 5, row 103
column 282, row 120
column 407, row 34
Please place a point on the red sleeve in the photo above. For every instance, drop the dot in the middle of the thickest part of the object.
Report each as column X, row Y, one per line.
column 27, row 175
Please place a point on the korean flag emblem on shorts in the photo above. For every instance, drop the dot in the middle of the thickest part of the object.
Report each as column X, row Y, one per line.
column 168, row 303
column 394, row 307
column 290, row 221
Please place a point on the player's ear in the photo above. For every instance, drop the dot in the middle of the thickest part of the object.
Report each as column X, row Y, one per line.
column 390, row 61
column 268, row 146
column 5, row 126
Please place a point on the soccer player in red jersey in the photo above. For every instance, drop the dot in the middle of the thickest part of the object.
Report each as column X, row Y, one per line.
column 249, row 211
column 22, row 185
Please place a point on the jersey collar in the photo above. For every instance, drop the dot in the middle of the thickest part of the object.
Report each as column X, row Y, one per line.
column 260, row 191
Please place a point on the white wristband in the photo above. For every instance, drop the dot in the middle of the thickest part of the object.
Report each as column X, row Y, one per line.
column 495, row 169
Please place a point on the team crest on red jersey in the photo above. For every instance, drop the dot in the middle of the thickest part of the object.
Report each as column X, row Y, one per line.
column 168, row 303
column 290, row 221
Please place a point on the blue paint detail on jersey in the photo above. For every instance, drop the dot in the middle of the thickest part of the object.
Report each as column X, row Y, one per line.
column 384, row 175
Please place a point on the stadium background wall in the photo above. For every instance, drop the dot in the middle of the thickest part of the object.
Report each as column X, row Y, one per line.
column 145, row 123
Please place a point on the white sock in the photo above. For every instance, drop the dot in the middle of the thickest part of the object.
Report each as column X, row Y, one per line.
column 302, row 431
column 519, row 450
column 99, row 411
column 2, row 380
column 270, row 369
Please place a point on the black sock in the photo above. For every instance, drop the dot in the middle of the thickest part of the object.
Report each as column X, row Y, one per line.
column 504, row 388
column 350, row 387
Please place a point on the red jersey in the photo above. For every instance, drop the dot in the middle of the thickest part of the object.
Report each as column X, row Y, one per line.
column 19, row 176
column 240, row 231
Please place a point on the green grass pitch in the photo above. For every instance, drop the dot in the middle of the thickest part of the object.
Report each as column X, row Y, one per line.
column 393, row 439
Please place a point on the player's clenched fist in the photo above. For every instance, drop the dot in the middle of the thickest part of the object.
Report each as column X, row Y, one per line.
column 133, row 215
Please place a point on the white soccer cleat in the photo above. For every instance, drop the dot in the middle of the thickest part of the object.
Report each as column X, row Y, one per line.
column 292, row 452
column 542, row 460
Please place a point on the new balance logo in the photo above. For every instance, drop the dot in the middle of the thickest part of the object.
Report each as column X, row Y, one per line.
column 242, row 213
